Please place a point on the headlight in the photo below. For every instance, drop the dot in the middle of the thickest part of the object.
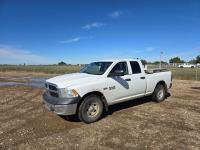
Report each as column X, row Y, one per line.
column 69, row 93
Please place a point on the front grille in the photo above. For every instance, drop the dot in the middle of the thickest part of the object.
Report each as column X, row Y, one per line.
column 52, row 87
column 53, row 94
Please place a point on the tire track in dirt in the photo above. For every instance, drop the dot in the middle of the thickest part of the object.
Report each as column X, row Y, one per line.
column 10, row 132
column 20, row 115
column 38, row 127
column 18, row 97
column 23, row 104
column 23, row 100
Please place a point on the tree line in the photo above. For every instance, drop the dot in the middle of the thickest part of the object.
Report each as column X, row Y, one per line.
column 144, row 62
column 173, row 60
column 178, row 60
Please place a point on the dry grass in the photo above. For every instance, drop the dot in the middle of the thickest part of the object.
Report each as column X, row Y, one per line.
column 178, row 73
column 49, row 69
column 186, row 73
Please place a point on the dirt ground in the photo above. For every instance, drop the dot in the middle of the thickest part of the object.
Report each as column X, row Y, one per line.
column 137, row 124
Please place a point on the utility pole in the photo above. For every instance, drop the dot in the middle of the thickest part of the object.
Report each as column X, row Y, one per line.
column 161, row 52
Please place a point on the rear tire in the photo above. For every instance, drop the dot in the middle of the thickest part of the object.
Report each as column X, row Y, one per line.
column 91, row 109
column 159, row 93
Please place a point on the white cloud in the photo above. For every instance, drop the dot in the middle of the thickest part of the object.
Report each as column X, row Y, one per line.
column 94, row 25
column 71, row 40
column 115, row 14
column 9, row 53
column 149, row 49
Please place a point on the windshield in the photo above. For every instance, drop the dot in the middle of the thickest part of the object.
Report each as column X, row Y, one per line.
column 96, row 68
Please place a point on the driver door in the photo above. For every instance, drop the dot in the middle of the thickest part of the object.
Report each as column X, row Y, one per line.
column 118, row 87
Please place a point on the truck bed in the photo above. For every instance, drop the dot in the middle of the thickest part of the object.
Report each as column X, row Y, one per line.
column 155, row 76
column 157, row 70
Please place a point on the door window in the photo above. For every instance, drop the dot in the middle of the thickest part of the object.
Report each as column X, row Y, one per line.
column 120, row 66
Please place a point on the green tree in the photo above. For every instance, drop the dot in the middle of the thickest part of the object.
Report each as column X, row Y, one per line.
column 144, row 62
column 176, row 60
column 158, row 62
column 62, row 63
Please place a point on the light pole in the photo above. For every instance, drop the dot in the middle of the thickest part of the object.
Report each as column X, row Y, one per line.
column 161, row 52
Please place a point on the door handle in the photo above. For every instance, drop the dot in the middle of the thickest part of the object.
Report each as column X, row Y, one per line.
column 142, row 77
column 128, row 79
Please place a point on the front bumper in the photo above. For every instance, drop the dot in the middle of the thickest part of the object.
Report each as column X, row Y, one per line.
column 60, row 106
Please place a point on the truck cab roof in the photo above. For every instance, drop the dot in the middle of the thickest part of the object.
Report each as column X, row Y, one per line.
column 118, row 60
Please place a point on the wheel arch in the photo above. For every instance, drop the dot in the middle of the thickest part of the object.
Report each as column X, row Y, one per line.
column 162, row 83
column 100, row 94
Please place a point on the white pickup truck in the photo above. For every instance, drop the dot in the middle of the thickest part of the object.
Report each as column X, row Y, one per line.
column 101, row 84
column 186, row 65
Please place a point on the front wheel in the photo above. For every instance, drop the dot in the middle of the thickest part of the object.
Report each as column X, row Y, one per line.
column 159, row 93
column 91, row 109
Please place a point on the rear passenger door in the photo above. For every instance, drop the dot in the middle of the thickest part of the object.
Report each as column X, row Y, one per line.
column 138, row 80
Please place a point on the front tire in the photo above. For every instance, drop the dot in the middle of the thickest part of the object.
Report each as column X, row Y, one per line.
column 159, row 93
column 91, row 109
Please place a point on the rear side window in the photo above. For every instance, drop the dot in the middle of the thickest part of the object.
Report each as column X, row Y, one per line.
column 135, row 67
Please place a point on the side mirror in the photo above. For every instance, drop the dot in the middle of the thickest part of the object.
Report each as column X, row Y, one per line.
column 117, row 73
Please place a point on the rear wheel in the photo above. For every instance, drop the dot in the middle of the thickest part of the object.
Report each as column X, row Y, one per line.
column 91, row 109
column 159, row 93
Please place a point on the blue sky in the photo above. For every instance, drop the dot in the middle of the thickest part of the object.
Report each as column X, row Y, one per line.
column 77, row 31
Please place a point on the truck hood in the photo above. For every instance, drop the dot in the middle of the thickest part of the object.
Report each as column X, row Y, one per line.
column 72, row 79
